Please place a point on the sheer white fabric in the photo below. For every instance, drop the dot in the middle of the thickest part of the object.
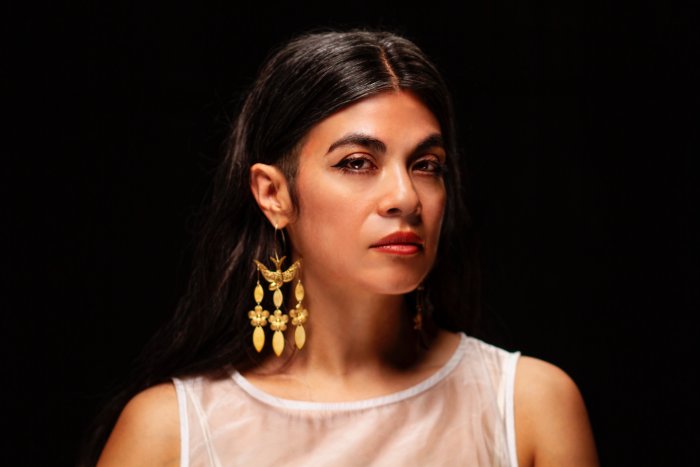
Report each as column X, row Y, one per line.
column 461, row 415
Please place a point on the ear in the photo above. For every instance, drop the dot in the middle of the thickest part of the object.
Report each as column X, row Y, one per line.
column 271, row 192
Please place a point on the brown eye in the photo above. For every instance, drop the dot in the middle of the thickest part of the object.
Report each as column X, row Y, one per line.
column 429, row 166
column 355, row 164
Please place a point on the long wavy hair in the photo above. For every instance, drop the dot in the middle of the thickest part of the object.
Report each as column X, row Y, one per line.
column 303, row 82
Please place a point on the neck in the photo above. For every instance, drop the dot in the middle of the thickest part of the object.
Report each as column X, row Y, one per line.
column 350, row 332
column 356, row 332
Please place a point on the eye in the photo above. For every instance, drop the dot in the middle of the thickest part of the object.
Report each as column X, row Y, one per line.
column 356, row 164
column 429, row 165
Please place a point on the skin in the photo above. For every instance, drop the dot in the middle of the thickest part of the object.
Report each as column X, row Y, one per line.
column 364, row 173
column 367, row 171
column 355, row 194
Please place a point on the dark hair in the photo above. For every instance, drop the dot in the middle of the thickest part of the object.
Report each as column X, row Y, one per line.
column 305, row 81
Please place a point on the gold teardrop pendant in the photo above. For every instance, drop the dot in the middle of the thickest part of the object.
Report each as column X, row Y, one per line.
column 300, row 336
column 258, row 293
column 278, row 343
column 299, row 292
column 277, row 298
column 258, row 338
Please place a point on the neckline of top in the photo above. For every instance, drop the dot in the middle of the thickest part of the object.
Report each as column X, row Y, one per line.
column 403, row 394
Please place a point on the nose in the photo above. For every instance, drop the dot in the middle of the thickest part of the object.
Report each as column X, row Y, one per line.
column 399, row 195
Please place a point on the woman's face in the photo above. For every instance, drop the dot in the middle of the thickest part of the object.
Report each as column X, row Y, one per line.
column 371, row 196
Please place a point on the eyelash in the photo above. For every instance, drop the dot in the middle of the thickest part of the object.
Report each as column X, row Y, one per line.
column 436, row 167
column 344, row 165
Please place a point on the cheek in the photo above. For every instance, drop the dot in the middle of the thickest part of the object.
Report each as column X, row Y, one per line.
column 433, row 201
column 433, row 214
column 322, row 221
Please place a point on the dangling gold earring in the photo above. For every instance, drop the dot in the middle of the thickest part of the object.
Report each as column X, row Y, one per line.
column 278, row 320
column 299, row 316
column 420, row 308
column 423, row 312
column 258, row 318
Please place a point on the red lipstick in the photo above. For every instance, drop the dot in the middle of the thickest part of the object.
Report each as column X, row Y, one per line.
column 399, row 243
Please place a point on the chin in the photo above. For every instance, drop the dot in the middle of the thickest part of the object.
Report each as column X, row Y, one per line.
column 394, row 285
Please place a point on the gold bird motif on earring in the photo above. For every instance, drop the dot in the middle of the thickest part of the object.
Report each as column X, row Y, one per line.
column 278, row 278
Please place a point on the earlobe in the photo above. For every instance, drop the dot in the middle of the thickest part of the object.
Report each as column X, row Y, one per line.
column 271, row 192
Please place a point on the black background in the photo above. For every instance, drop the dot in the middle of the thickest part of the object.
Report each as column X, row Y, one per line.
column 578, row 121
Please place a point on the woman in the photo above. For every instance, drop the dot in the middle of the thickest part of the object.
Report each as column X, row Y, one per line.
column 343, row 171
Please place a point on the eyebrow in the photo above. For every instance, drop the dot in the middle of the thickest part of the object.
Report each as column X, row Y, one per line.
column 432, row 141
column 359, row 139
column 376, row 145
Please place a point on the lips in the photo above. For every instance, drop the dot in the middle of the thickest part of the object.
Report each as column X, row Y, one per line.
column 400, row 243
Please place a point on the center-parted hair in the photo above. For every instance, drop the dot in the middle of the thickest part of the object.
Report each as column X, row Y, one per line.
column 303, row 82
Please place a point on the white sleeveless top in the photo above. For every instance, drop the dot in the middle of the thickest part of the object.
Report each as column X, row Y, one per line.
column 461, row 415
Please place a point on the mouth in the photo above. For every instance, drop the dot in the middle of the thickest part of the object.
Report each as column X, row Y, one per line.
column 399, row 243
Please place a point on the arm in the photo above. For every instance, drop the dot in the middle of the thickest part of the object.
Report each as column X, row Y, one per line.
column 147, row 432
column 551, row 422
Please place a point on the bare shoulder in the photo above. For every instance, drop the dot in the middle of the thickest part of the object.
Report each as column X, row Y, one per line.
column 551, row 421
column 147, row 431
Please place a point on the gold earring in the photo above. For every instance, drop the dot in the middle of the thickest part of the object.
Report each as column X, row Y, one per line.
column 299, row 316
column 278, row 320
column 258, row 318
column 420, row 308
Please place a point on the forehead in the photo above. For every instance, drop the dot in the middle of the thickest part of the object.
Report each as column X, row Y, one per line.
column 397, row 118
